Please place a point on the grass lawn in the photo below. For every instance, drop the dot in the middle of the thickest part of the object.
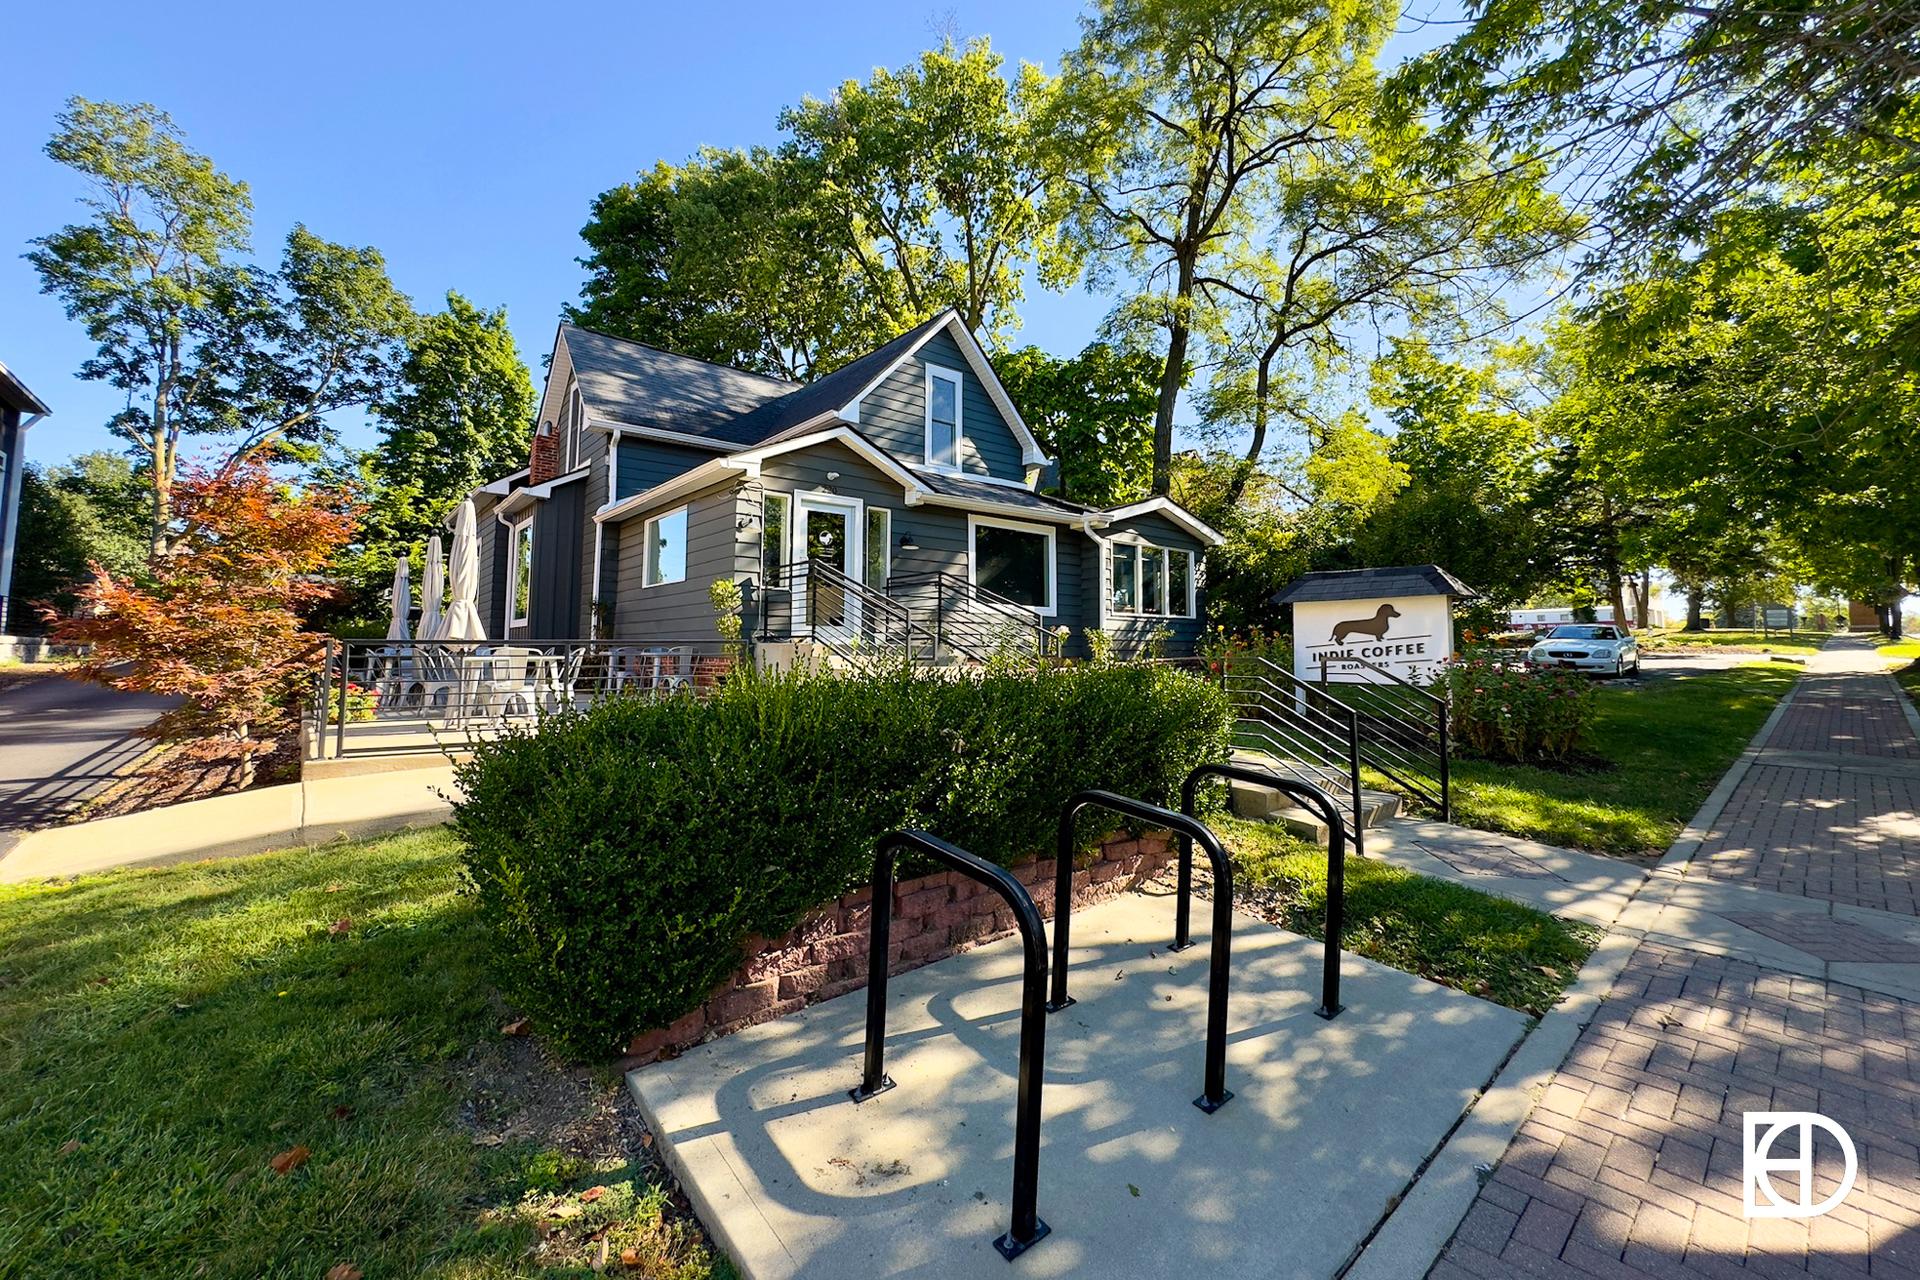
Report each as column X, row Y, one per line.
column 1734, row 641
column 1908, row 648
column 1665, row 744
column 170, row 1040
column 1909, row 679
column 1499, row 950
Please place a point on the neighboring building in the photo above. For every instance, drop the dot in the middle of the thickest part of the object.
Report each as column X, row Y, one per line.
column 19, row 409
column 908, row 474
column 1541, row 619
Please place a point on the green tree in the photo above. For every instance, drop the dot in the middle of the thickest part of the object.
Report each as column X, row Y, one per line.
column 1093, row 413
column 913, row 191
column 201, row 344
column 462, row 414
column 1676, row 110
column 89, row 511
column 1164, row 118
column 161, row 223
column 732, row 257
column 934, row 170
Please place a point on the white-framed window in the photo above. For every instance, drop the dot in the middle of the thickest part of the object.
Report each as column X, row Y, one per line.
column 776, row 516
column 1149, row 581
column 879, row 548
column 666, row 541
column 522, row 582
column 1013, row 560
column 576, row 429
column 944, row 431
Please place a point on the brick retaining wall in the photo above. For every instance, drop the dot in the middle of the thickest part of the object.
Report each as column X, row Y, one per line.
column 934, row 916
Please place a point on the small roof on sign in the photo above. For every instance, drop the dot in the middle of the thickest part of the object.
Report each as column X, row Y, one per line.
column 1372, row 584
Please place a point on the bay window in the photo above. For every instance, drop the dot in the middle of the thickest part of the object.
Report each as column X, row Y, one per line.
column 1150, row 581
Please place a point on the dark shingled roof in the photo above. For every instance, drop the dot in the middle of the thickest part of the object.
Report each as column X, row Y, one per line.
column 776, row 419
column 14, row 394
column 1369, row 584
column 985, row 492
column 649, row 387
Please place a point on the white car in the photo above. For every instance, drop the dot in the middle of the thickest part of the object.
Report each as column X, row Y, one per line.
column 1599, row 647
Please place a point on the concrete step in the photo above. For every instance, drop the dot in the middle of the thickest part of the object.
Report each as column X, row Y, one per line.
column 1268, row 804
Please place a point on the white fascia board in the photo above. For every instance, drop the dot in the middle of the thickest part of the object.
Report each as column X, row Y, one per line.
column 1173, row 511
column 502, row 486
column 599, row 422
column 832, row 431
column 1030, row 454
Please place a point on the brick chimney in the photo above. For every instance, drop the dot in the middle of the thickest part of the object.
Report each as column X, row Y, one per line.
column 544, row 463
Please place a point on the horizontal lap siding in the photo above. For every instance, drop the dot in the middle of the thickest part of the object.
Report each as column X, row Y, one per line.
column 679, row 610
column 894, row 415
column 646, row 463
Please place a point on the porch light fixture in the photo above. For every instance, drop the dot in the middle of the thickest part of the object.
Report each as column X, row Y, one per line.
column 907, row 543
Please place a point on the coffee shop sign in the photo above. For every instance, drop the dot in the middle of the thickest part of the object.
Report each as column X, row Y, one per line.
column 1373, row 625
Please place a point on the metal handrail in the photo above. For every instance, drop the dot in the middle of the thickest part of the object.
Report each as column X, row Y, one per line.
column 1026, row 1228
column 803, row 575
column 1007, row 611
column 1443, row 750
column 1329, row 813
column 1215, row 1094
column 1402, row 681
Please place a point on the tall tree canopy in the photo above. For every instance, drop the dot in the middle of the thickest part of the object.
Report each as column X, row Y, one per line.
column 203, row 344
column 893, row 199
column 1092, row 413
column 1165, row 115
column 1671, row 110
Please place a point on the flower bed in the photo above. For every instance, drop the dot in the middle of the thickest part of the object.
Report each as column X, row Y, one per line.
column 1506, row 712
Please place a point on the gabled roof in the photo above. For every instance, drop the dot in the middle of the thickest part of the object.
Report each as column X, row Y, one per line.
column 645, row 386
column 14, row 395
column 1372, row 584
column 1173, row 511
column 630, row 384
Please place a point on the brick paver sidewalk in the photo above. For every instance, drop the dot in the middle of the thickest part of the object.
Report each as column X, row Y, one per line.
column 1630, row 1165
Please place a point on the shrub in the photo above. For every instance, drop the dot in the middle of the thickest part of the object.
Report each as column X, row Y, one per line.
column 1511, row 713
column 623, row 855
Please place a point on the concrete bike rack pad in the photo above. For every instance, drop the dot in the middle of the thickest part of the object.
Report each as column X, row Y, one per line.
column 1328, row 1122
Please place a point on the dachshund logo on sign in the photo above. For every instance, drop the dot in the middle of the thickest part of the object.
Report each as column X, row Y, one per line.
column 1376, row 626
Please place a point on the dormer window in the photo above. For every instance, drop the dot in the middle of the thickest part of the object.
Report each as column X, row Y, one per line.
column 943, row 418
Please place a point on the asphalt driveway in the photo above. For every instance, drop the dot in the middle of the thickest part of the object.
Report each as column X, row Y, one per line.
column 60, row 742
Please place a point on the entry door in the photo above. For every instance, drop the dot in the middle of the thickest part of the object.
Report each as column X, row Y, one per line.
column 828, row 530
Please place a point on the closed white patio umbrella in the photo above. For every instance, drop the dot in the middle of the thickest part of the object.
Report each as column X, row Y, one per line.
column 401, row 600
column 462, row 619
column 433, row 591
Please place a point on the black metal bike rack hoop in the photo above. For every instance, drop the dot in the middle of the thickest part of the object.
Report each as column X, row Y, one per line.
column 1215, row 1094
column 1328, row 812
column 1026, row 1229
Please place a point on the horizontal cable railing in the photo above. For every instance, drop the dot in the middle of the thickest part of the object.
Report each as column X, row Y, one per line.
column 1404, row 733
column 404, row 696
column 812, row 600
column 970, row 620
column 1297, row 725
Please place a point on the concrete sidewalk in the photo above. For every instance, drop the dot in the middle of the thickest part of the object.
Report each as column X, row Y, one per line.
column 1775, row 952
column 1329, row 1119
column 310, row 812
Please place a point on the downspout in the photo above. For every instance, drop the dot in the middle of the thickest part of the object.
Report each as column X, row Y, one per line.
column 1099, row 571
column 599, row 536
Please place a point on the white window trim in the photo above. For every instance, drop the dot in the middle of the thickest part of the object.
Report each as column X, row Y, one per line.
column 576, row 424
column 646, row 546
column 767, row 498
column 886, row 546
column 513, row 574
column 1133, row 550
column 1047, row 531
column 959, row 415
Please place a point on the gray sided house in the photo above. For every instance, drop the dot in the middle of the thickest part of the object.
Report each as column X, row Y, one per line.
column 905, row 480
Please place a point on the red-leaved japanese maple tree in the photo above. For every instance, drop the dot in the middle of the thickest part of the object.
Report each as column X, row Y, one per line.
column 217, row 621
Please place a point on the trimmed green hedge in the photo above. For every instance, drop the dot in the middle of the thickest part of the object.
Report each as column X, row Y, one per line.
column 622, row 856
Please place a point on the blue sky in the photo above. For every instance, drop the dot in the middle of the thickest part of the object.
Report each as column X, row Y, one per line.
column 464, row 142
